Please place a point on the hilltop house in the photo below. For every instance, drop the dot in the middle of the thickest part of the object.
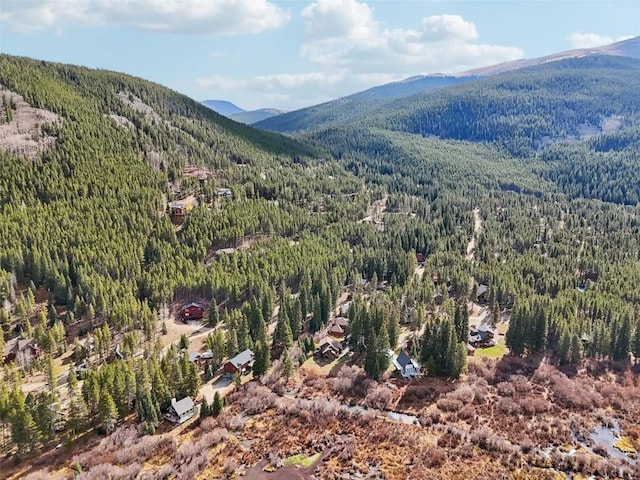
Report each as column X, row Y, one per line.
column 181, row 411
column 240, row 364
column 192, row 311
column 406, row 366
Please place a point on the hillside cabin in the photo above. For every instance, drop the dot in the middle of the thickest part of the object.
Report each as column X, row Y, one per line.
column 178, row 209
column 481, row 294
column 21, row 351
column 471, row 350
column 192, row 311
column 406, row 366
column 240, row 364
column 329, row 349
column 338, row 327
column 180, row 411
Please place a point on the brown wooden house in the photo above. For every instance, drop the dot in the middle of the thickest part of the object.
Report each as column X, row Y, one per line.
column 192, row 311
column 20, row 347
column 240, row 364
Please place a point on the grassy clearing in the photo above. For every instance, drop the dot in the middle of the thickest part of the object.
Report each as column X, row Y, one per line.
column 301, row 460
column 496, row 351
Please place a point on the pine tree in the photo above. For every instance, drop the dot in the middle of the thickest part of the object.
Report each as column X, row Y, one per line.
column 232, row 343
column 214, row 316
column 205, row 408
column 295, row 319
column 217, row 405
column 282, row 336
column 107, row 412
column 262, row 360
column 287, row 365
column 622, row 339
column 371, row 359
column 244, row 339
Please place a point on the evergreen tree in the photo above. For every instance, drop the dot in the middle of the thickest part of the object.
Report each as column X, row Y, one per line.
column 217, row 405
column 622, row 339
column 205, row 408
column 107, row 412
column 282, row 336
column 295, row 319
column 232, row 343
column 287, row 365
column 214, row 316
column 371, row 358
column 262, row 359
column 24, row 431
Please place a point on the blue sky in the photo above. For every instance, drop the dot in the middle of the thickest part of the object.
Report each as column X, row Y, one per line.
column 291, row 54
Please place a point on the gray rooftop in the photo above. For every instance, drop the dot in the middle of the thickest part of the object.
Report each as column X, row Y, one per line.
column 242, row 358
column 182, row 406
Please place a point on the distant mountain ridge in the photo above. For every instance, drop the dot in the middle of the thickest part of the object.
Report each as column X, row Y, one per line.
column 363, row 104
column 223, row 107
column 241, row 115
column 625, row 48
column 355, row 106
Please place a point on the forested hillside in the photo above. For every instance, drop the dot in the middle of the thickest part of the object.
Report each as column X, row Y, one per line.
column 417, row 244
column 357, row 106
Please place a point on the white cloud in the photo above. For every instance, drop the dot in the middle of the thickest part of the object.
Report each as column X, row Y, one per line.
column 344, row 34
column 351, row 50
column 205, row 17
column 592, row 40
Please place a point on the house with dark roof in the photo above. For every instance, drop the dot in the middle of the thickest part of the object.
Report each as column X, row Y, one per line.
column 240, row 364
column 18, row 349
column 481, row 293
column 406, row 366
column 483, row 336
column 338, row 327
column 182, row 410
column 192, row 311
column 329, row 349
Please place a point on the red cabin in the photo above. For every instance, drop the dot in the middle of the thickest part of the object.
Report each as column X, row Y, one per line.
column 192, row 311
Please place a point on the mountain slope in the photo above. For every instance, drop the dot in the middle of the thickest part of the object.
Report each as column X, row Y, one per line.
column 625, row 48
column 86, row 215
column 223, row 107
column 357, row 105
column 526, row 108
column 361, row 104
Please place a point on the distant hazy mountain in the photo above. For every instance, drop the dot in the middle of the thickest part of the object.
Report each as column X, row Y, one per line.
column 253, row 116
column 357, row 105
column 626, row 48
column 223, row 107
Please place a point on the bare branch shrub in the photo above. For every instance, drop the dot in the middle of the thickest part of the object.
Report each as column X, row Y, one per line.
column 506, row 389
column 464, row 393
column 379, row 397
column 449, row 404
